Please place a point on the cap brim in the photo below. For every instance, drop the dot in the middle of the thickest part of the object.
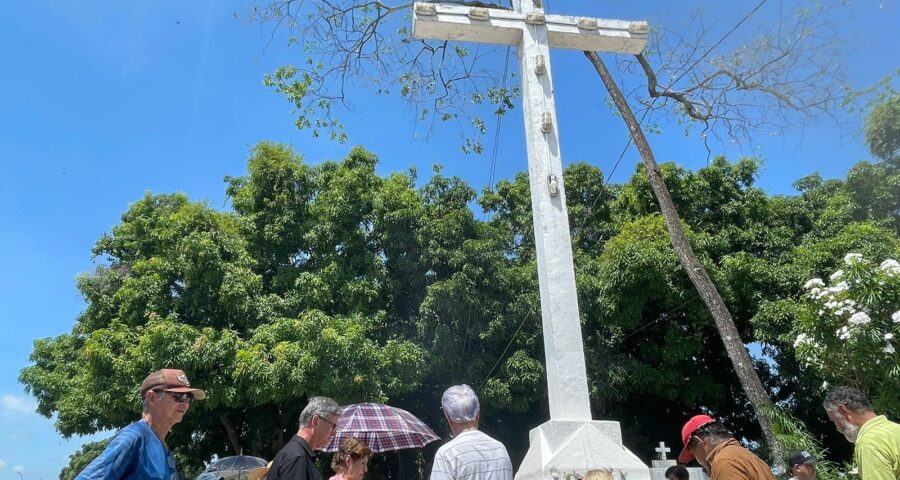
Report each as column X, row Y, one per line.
column 198, row 394
column 686, row 455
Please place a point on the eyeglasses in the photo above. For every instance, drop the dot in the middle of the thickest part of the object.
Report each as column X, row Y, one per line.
column 333, row 426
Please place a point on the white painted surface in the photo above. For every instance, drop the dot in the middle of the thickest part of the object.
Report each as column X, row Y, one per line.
column 504, row 27
column 576, row 447
column 570, row 441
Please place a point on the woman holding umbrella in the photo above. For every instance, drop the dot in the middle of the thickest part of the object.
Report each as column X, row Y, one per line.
column 351, row 460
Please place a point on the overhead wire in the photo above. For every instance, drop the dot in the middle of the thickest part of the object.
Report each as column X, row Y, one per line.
column 499, row 124
column 662, row 316
column 673, row 82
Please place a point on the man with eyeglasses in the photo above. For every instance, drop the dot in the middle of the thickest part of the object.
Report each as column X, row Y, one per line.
column 139, row 451
column 296, row 460
column 720, row 454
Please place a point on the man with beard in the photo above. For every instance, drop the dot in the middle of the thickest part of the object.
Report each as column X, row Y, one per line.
column 876, row 439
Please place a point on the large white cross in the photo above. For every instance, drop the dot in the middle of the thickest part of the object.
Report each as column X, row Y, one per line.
column 534, row 32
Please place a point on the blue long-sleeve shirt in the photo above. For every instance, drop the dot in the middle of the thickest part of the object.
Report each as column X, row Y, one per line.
column 134, row 453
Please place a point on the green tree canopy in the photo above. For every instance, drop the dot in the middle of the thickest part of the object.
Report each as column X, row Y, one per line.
column 329, row 279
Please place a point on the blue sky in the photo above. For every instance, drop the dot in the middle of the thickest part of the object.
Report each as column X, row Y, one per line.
column 104, row 102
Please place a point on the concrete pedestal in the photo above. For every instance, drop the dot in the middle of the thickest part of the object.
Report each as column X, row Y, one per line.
column 579, row 446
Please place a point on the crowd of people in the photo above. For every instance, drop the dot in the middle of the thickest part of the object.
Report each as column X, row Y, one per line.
column 139, row 451
column 876, row 443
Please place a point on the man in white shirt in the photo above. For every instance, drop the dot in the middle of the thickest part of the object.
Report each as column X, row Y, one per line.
column 471, row 454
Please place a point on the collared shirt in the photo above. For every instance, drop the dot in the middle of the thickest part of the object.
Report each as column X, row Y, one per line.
column 729, row 460
column 472, row 455
column 877, row 449
column 134, row 453
column 295, row 461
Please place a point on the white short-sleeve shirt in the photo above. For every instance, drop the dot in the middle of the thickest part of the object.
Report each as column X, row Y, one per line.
column 472, row 455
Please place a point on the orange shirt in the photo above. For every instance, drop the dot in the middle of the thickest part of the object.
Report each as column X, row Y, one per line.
column 730, row 461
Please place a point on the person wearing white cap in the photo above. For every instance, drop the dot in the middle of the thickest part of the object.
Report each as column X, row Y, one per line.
column 139, row 451
column 471, row 454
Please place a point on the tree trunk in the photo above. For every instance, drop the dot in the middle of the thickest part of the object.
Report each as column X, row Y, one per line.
column 233, row 435
column 740, row 358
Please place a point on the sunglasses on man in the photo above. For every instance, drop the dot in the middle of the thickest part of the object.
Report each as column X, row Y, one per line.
column 186, row 397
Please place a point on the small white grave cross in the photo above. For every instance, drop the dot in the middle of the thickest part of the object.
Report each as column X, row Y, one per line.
column 663, row 450
column 534, row 32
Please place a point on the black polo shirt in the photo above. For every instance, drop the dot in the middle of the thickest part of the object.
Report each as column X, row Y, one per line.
column 296, row 461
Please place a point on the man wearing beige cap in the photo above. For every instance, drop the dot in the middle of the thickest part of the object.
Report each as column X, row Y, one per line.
column 139, row 451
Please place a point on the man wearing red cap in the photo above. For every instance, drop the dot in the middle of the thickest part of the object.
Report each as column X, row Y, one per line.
column 720, row 454
column 139, row 451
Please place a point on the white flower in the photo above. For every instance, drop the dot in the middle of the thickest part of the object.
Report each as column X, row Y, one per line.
column 843, row 333
column 815, row 282
column 852, row 258
column 889, row 349
column 895, row 317
column 887, row 336
column 840, row 287
column 836, row 275
column 802, row 338
column 891, row 266
column 859, row 318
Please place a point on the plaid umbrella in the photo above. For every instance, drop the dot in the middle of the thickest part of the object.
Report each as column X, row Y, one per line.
column 381, row 427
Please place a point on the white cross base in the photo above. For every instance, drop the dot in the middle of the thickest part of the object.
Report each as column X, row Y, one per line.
column 578, row 447
column 571, row 441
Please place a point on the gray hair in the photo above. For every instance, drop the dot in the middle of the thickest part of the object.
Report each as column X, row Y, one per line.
column 145, row 405
column 852, row 398
column 460, row 403
column 317, row 407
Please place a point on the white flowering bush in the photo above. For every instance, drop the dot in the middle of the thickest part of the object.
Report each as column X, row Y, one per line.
column 850, row 329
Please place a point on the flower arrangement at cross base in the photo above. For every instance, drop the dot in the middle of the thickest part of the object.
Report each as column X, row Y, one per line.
column 593, row 474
